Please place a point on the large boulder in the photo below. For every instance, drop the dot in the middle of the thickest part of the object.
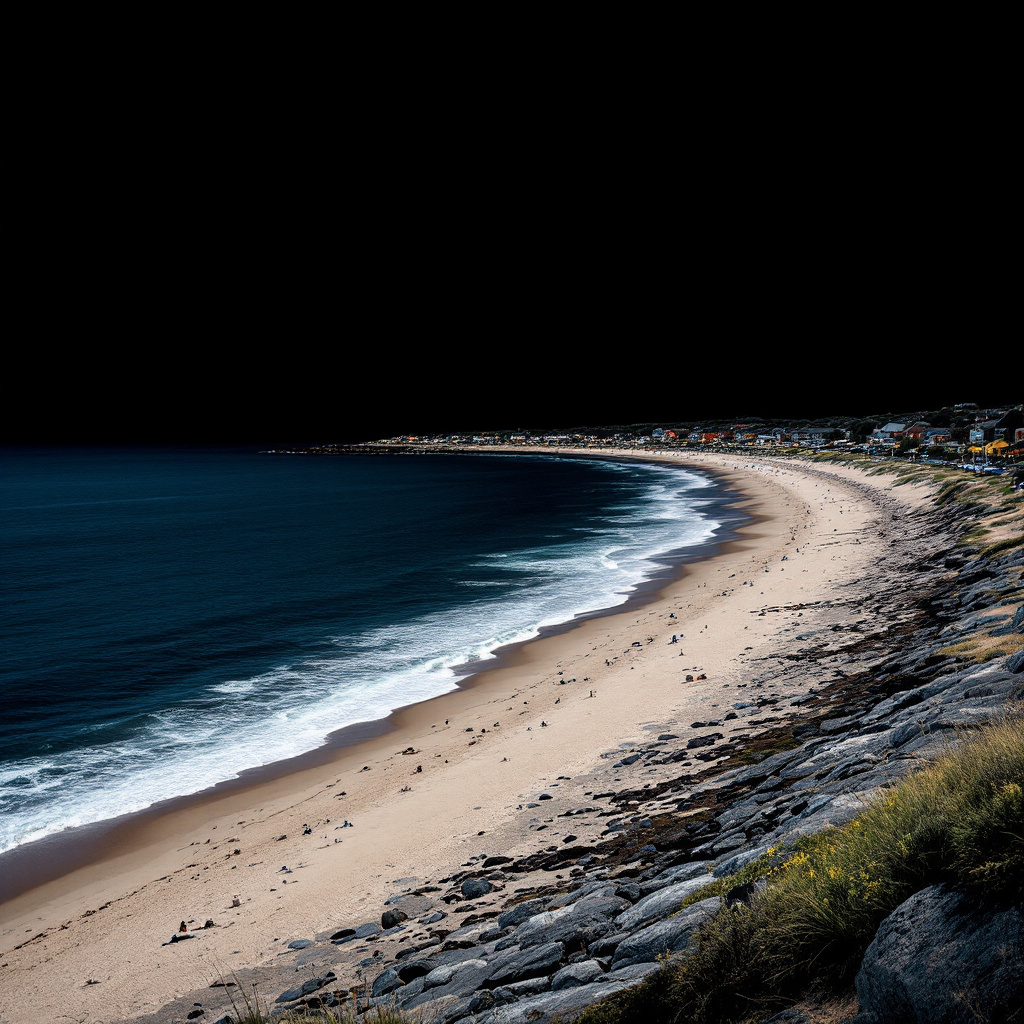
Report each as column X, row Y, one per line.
column 940, row 957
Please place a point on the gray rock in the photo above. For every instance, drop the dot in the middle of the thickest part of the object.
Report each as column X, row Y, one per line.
column 306, row 988
column 575, row 931
column 363, row 931
column 703, row 741
column 668, row 936
column 605, row 946
column 520, row 912
column 676, row 873
column 661, row 903
column 1016, row 624
column 574, row 975
column 521, row 989
column 600, row 903
column 632, row 974
column 512, row 965
column 544, row 1008
column 458, row 982
column 443, row 1010
column 472, row 888
column 447, row 973
column 594, row 889
column 392, row 918
column 940, row 957
column 385, row 982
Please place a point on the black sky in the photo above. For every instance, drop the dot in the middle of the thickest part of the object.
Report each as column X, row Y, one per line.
column 241, row 300
column 309, row 396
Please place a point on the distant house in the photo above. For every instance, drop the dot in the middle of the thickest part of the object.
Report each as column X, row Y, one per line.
column 810, row 436
column 890, row 432
column 1002, row 427
column 917, row 429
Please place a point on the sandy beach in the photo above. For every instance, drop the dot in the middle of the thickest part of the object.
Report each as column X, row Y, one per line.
column 270, row 858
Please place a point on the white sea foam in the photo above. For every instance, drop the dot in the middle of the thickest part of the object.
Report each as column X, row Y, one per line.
column 292, row 708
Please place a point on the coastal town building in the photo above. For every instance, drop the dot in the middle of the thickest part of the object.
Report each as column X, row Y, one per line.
column 1008, row 426
column 961, row 432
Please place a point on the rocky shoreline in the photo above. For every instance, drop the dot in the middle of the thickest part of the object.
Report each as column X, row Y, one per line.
column 503, row 940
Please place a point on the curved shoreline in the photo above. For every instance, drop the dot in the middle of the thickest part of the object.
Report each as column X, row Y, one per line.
column 52, row 857
column 153, row 871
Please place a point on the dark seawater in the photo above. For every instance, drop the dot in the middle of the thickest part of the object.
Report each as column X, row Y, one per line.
column 174, row 616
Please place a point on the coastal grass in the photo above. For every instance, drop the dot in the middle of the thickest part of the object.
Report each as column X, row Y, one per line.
column 960, row 819
column 250, row 1008
column 1015, row 540
column 983, row 648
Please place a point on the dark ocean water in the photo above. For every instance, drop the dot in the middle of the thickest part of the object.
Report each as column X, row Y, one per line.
column 172, row 617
